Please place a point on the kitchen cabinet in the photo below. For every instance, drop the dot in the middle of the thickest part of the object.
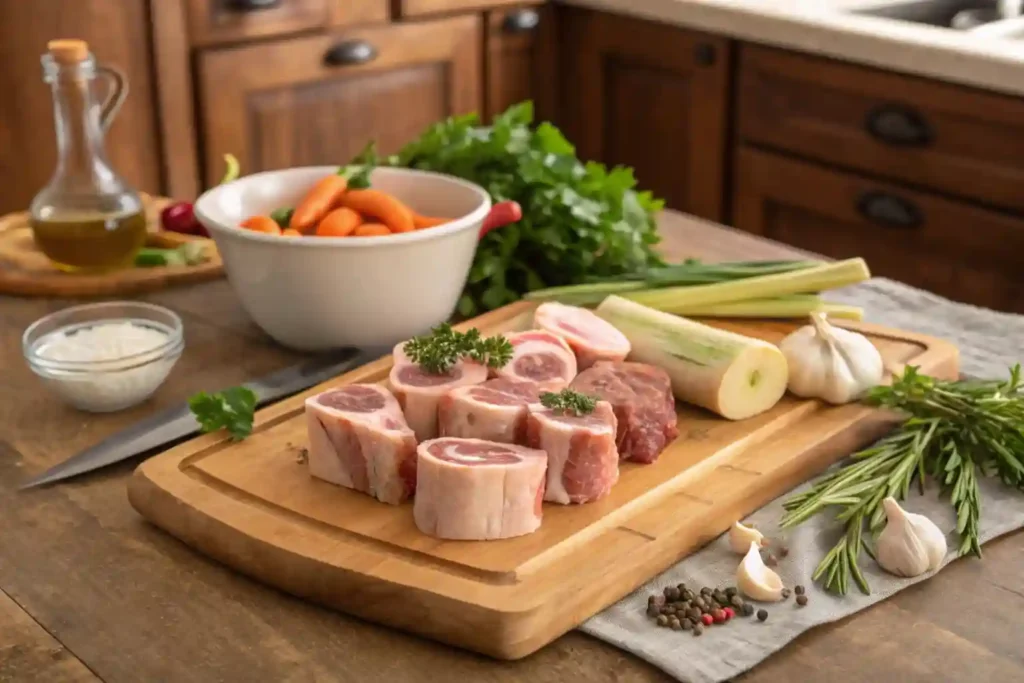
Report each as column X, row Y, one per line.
column 650, row 96
column 117, row 36
column 318, row 100
column 213, row 22
column 520, row 60
column 415, row 8
column 950, row 247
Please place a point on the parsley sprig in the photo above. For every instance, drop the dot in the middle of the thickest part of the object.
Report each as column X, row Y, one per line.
column 231, row 409
column 438, row 351
column 955, row 433
column 568, row 402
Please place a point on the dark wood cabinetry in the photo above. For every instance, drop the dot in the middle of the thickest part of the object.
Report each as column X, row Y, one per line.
column 520, row 60
column 319, row 100
column 650, row 96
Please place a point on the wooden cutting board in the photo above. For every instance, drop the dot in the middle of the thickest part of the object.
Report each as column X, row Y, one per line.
column 253, row 506
column 25, row 271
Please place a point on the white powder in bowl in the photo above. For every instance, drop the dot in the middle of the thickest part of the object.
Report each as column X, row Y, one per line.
column 123, row 363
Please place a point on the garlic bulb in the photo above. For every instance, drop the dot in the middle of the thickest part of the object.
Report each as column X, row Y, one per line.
column 755, row 580
column 910, row 544
column 740, row 538
column 831, row 363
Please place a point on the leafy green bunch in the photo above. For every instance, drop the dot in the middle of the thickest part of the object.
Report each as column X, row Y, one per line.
column 580, row 220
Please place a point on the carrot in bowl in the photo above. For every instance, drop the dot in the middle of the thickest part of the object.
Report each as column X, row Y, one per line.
column 371, row 230
column 288, row 232
column 422, row 222
column 264, row 224
column 339, row 223
column 381, row 206
column 317, row 203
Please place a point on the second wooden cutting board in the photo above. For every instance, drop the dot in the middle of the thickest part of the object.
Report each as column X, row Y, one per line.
column 253, row 506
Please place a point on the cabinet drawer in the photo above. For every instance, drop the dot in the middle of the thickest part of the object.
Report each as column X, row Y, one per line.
column 962, row 141
column 951, row 248
column 214, row 22
column 520, row 60
column 320, row 99
column 413, row 8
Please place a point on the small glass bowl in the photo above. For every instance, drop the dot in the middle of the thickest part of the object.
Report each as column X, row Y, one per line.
column 111, row 384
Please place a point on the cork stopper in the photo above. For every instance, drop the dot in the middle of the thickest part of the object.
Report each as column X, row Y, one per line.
column 67, row 51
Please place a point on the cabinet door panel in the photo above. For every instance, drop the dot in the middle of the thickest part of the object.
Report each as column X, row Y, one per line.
column 284, row 104
column 521, row 60
column 651, row 96
column 952, row 248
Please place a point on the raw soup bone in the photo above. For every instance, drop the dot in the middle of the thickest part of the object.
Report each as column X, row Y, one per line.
column 583, row 462
column 495, row 410
column 419, row 391
column 542, row 357
column 358, row 438
column 590, row 337
column 476, row 490
column 641, row 395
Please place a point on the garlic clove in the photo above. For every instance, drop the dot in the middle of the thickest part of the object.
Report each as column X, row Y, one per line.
column 740, row 538
column 755, row 580
column 910, row 544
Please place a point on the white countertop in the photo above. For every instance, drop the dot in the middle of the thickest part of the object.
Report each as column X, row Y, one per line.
column 828, row 28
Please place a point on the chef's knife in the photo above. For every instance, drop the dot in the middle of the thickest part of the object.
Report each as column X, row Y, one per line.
column 178, row 422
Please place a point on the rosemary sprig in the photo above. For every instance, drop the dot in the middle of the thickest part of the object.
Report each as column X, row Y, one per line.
column 438, row 351
column 956, row 431
column 569, row 402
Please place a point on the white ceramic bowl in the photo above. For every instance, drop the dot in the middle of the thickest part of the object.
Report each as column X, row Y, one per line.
column 318, row 293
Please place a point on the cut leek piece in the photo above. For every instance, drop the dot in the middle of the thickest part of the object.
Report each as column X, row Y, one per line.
column 727, row 373
column 793, row 306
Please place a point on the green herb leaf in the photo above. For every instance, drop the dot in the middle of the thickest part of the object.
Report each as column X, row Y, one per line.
column 282, row 216
column 569, row 402
column 231, row 409
column 358, row 172
column 443, row 347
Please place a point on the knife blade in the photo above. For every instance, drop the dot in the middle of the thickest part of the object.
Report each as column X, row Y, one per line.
column 178, row 422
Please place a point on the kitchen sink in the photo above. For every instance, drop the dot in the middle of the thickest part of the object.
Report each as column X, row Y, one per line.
column 956, row 14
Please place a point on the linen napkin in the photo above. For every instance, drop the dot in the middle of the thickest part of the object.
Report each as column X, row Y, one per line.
column 989, row 344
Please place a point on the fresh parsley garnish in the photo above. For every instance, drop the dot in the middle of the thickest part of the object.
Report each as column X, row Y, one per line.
column 231, row 409
column 358, row 174
column 438, row 351
column 568, row 402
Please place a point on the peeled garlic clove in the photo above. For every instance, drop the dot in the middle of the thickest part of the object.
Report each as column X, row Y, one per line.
column 740, row 538
column 910, row 544
column 755, row 580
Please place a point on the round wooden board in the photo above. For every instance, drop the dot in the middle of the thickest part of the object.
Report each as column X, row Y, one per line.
column 25, row 271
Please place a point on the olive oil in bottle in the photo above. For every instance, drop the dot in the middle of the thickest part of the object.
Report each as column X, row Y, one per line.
column 87, row 218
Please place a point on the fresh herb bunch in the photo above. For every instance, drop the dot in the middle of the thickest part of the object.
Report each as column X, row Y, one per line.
column 580, row 220
column 438, row 351
column 231, row 409
column 568, row 402
column 957, row 432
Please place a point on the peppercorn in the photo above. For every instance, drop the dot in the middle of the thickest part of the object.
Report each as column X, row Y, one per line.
column 681, row 586
column 705, row 591
column 801, row 600
column 718, row 616
column 783, row 551
column 706, row 619
column 747, row 609
column 688, row 594
column 665, row 609
column 731, row 591
column 786, row 593
column 800, row 590
column 674, row 624
column 653, row 610
column 762, row 615
column 736, row 601
column 698, row 629
column 687, row 624
column 729, row 613
column 671, row 593
column 700, row 603
column 694, row 613
column 662, row 620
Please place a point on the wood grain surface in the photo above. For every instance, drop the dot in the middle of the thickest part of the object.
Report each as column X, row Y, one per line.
column 133, row 604
column 254, row 506
column 26, row 271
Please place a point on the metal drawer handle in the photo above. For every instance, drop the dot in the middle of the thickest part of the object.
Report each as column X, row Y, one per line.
column 521, row 21
column 251, row 5
column 889, row 210
column 350, row 53
column 899, row 125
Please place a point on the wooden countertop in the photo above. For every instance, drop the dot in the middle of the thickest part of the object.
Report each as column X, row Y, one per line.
column 88, row 591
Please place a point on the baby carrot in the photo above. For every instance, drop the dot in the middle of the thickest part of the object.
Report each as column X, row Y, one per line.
column 339, row 223
column 381, row 206
column 288, row 232
column 422, row 222
column 262, row 224
column 317, row 203
column 371, row 230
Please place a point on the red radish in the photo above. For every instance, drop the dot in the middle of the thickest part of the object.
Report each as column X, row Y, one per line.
column 179, row 217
